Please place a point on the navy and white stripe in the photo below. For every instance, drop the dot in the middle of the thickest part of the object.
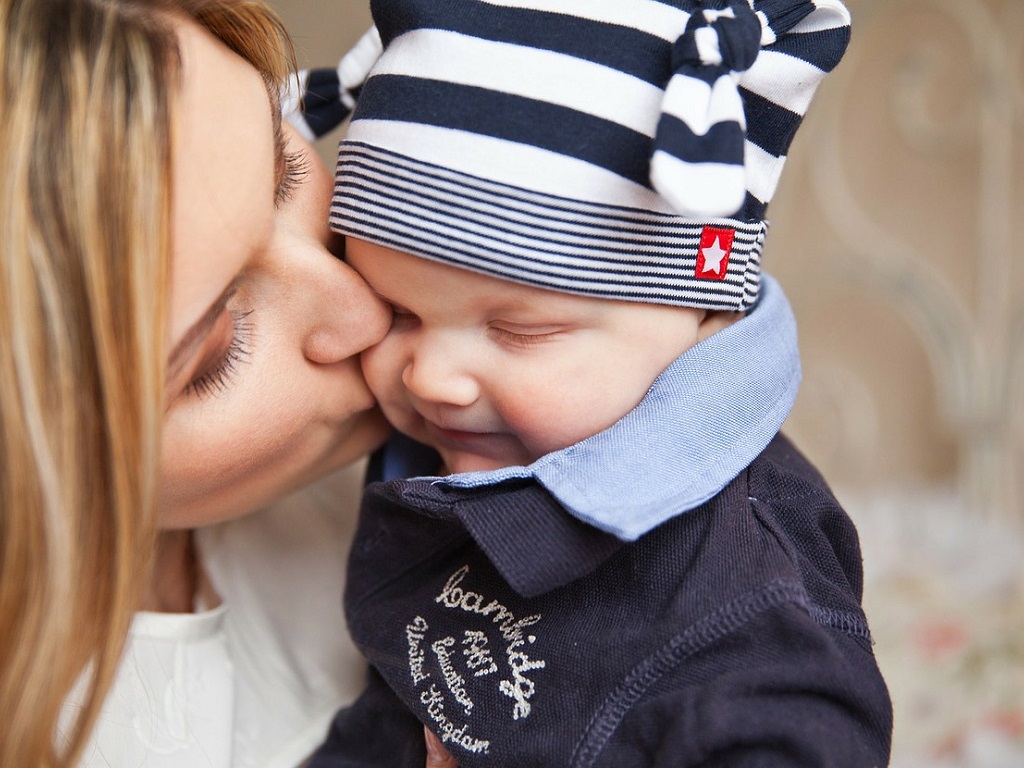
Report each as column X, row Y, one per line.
column 531, row 237
column 318, row 100
column 582, row 145
column 697, row 162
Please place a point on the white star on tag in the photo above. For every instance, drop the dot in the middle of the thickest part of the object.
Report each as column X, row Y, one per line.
column 713, row 255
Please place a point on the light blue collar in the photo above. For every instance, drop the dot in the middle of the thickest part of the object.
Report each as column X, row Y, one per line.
column 705, row 418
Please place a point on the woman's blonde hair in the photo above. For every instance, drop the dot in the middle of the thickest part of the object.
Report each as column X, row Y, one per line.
column 87, row 92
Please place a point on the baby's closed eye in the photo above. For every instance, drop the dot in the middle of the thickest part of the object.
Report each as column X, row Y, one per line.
column 525, row 335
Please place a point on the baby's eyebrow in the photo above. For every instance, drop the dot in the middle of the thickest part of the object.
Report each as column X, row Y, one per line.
column 395, row 306
column 376, row 291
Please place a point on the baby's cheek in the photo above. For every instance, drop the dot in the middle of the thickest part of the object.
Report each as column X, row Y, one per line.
column 549, row 421
column 545, row 423
column 381, row 371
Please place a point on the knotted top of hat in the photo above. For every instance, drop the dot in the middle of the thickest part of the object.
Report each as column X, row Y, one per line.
column 617, row 148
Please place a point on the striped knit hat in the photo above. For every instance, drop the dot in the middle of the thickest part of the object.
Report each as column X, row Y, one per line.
column 624, row 149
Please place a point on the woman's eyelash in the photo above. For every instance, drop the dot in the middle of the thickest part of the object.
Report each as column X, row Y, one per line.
column 296, row 169
column 217, row 379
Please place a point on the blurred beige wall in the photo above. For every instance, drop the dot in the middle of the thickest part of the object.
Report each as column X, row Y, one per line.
column 322, row 31
column 896, row 233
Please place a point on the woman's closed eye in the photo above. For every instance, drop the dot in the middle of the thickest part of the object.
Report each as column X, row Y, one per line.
column 217, row 371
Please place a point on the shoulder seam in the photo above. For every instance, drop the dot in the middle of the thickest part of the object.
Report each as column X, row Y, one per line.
column 714, row 625
column 847, row 622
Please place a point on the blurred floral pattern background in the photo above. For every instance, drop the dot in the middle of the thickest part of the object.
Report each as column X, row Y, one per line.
column 898, row 234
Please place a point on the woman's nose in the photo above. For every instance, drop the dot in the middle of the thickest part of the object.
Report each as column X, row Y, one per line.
column 346, row 316
column 438, row 373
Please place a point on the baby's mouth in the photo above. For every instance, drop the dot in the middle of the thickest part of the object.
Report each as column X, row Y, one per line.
column 454, row 435
column 467, row 440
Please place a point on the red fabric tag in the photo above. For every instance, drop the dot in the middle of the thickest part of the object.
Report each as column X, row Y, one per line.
column 714, row 253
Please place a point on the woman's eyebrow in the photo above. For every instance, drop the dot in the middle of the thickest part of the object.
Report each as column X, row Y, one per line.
column 280, row 162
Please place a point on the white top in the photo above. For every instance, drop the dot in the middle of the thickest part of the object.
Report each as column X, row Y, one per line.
column 256, row 681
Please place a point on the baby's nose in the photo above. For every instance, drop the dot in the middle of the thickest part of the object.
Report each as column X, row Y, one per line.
column 438, row 375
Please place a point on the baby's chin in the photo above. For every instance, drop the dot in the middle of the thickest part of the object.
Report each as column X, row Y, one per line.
column 457, row 463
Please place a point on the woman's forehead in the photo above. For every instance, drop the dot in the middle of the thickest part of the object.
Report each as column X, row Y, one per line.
column 224, row 172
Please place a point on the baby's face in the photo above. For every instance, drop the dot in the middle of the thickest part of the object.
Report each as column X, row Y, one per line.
column 494, row 373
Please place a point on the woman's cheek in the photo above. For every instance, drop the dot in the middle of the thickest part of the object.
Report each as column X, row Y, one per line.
column 227, row 451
